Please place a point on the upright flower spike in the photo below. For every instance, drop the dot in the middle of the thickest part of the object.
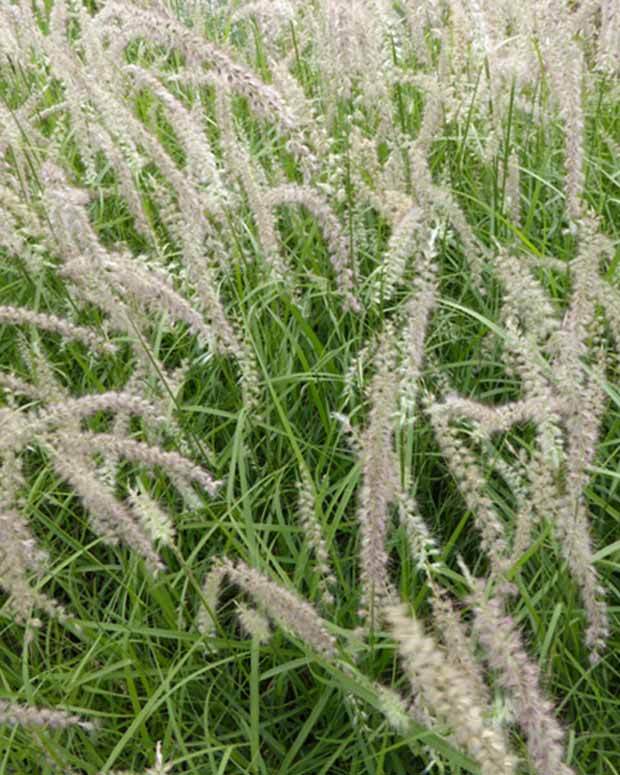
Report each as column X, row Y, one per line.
column 416, row 319
column 380, row 483
column 206, row 621
column 313, row 533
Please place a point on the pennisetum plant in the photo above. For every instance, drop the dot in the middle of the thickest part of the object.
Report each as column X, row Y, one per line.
column 235, row 238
